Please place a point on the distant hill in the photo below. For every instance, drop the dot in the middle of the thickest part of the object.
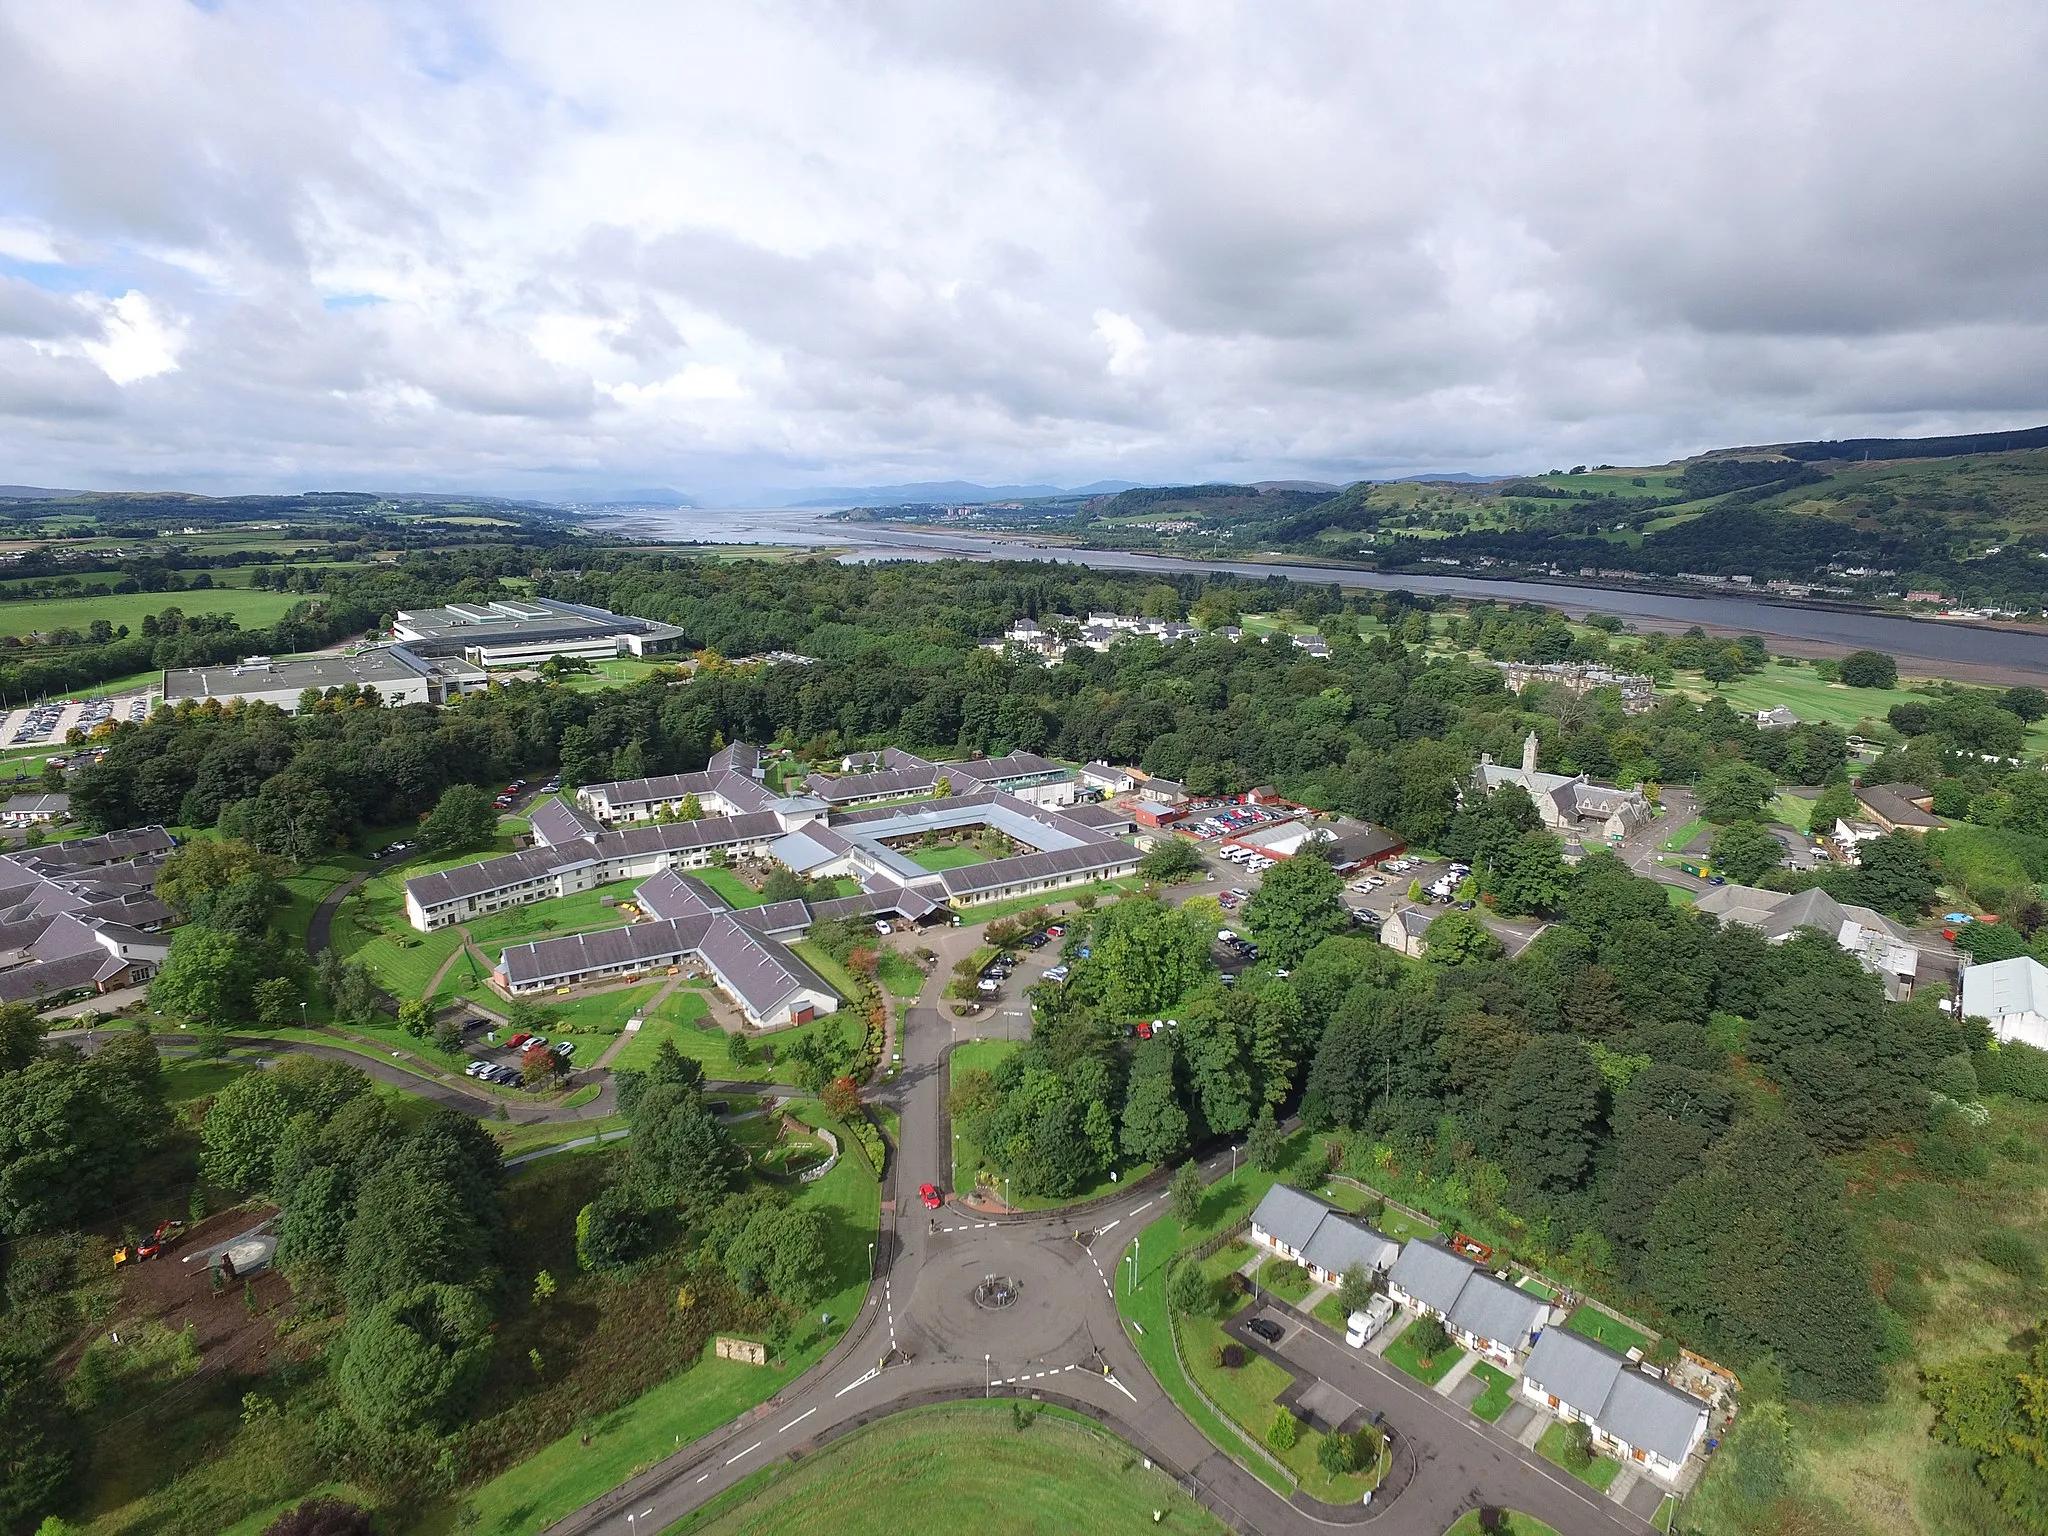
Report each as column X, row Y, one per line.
column 964, row 492
column 1856, row 448
column 33, row 493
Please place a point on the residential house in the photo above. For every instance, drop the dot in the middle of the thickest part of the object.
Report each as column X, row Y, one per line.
column 34, row 810
column 1481, row 1312
column 2012, row 996
column 1407, row 930
column 1319, row 1237
column 1641, row 1418
column 1776, row 719
column 1568, row 802
column 1883, row 948
column 1109, row 780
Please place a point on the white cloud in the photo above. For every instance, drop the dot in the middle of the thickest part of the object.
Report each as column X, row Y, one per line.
column 135, row 341
column 719, row 247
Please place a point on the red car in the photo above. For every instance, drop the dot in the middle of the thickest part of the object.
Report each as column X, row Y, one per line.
column 1144, row 1031
column 929, row 1193
column 517, row 1041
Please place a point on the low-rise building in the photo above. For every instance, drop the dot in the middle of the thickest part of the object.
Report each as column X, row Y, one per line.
column 34, row 810
column 1568, row 802
column 1478, row 1310
column 1322, row 1239
column 1640, row 1417
column 1899, row 807
column 1776, row 718
column 517, row 632
column 1638, row 693
column 81, row 916
column 1348, row 844
column 1407, row 929
column 1883, row 948
column 2012, row 996
column 393, row 674
column 1107, row 779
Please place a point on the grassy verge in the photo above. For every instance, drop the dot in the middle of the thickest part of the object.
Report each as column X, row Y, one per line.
column 1600, row 1473
column 985, row 1056
column 827, row 967
column 1592, row 1323
column 1499, row 1393
column 1518, row 1524
column 567, row 1474
column 1427, row 1369
column 729, row 885
column 1056, row 1473
column 1681, row 837
column 899, row 973
column 538, row 1136
column 1247, row 1395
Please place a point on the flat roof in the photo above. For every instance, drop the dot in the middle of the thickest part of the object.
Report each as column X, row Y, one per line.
column 512, row 619
column 293, row 675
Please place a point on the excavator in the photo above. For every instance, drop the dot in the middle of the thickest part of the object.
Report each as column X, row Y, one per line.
column 166, row 1233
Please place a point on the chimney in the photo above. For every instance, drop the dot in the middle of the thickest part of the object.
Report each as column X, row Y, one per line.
column 1529, row 753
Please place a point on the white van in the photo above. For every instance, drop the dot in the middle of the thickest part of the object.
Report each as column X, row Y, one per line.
column 1362, row 1326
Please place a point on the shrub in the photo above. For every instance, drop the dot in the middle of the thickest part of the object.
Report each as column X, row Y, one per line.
column 2015, row 1069
column 2003, row 1248
column 1426, row 1336
column 1284, row 1432
column 1335, row 1455
column 1575, row 1447
column 1231, row 1357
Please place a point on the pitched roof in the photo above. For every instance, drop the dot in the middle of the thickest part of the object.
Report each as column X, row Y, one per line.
column 1652, row 1414
column 1433, row 1275
column 1492, row 1309
column 556, row 822
column 1573, row 1369
column 1340, row 1242
column 1025, row 868
column 1289, row 1215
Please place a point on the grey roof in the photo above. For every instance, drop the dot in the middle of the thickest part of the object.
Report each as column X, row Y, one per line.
column 1289, row 1215
column 775, row 917
column 1017, row 765
column 2002, row 987
column 896, row 900
column 498, row 874
column 37, row 805
column 1893, row 803
column 1652, row 1414
column 1340, row 1242
column 997, row 873
column 1492, row 1309
column 86, row 852
column 1431, row 1274
column 803, row 852
column 890, row 783
column 1099, row 818
column 736, row 788
column 516, row 620
column 1574, row 1370
column 670, row 894
column 369, row 669
column 741, row 757
column 556, row 821
column 762, row 975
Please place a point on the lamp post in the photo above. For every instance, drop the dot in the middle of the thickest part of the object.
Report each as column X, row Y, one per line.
column 633, row 1521
column 871, row 1261
column 986, row 1372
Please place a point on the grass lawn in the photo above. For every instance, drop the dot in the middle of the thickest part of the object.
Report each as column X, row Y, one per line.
column 899, row 973
column 536, row 1136
column 1393, row 1221
column 984, row 1055
column 1330, row 1312
column 1500, row 1391
column 599, row 1014
column 1801, row 690
column 966, row 1459
column 1591, row 1323
column 1536, row 1287
column 729, row 885
column 827, row 967
column 1429, row 1372
column 1102, row 890
column 567, row 1474
column 1600, row 1474
column 1793, row 810
column 248, row 607
column 939, row 859
column 1681, row 837
column 1518, row 1524
column 1285, row 1278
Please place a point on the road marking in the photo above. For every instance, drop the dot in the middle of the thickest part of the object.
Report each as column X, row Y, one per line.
column 1100, row 1230
column 859, row 1381
column 747, row 1452
column 701, row 1479
column 1142, row 1207
column 1119, row 1386
column 792, row 1424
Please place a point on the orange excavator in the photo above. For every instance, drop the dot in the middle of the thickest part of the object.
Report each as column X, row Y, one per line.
column 166, row 1233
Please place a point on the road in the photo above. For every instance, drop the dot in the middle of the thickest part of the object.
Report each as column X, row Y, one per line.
column 923, row 1336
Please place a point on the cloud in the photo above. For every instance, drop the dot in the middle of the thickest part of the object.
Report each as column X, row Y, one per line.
column 722, row 247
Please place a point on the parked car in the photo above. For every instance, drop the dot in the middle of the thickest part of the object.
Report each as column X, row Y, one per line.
column 519, row 1042
column 1267, row 1329
column 929, row 1194
column 565, row 1049
column 1144, row 1031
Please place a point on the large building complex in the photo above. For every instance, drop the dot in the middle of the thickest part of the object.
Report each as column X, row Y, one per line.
column 81, row 916
column 398, row 674
column 516, row 632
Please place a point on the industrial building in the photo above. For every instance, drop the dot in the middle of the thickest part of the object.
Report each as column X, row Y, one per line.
column 398, row 674
column 519, row 632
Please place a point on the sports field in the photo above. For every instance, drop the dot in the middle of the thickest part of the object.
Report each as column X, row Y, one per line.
column 246, row 606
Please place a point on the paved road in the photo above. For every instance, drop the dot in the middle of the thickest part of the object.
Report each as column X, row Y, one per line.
column 922, row 1336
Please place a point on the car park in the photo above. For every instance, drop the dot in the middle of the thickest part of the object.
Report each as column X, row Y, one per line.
column 1266, row 1329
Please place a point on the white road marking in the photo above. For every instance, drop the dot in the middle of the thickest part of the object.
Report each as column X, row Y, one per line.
column 792, row 1424
column 747, row 1452
column 701, row 1479
column 1146, row 1205
column 1119, row 1386
column 1105, row 1229
column 859, row 1381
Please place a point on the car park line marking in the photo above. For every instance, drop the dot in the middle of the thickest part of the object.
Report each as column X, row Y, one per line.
column 792, row 1424
column 748, row 1451
column 701, row 1479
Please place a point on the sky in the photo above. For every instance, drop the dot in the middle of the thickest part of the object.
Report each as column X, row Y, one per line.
column 572, row 251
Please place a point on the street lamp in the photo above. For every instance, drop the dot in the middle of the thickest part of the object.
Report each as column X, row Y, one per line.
column 871, row 1261
column 633, row 1521
column 986, row 1372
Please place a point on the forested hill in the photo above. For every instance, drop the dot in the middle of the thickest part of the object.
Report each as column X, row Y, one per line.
column 1866, row 519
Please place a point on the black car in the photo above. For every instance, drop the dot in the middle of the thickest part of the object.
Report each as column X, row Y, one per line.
column 1267, row 1329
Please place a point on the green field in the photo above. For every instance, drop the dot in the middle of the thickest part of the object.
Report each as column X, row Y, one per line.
column 939, row 859
column 567, row 1474
column 1061, row 1474
column 246, row 606
column 729, row 885
column 985, row 1055
column 898, row 973
column 1859, row 711
column 1592, row 1323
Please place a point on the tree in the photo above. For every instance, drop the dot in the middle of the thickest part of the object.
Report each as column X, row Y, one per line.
column 1170, row 861
column 419, row 1219
column 1285, row 1430
column 196, row 872
column 1744, row 851
column 1869, row 669
column 692, row 808
column 416, row 1017
column 1299, row 904
column 1354, row 1290
column 39, row 1437
column 323, row 1517
column 1548, row 1112
column 1264, row 1148
column 1155, row 1126
column 764, row 1244
column 1529, row 874
column 680, row 1154
column 1148, row 955
column 1426, row 1336
column 1894, row 874
column 612, row 1231
column 1753, row 1253
column 1835, row 803
column 21, row 1036
column 1995, row 1407
column 414, row 1360
column 208, row 977
column 2026, row 701
column 1187, row 1191
column 1575, row 1446
column 1334, row 1455
column 1736, row 791
column 463, row 819
column 1188, row 1289
column 1459, row 938
column 538, row 1066
column 276, row 1001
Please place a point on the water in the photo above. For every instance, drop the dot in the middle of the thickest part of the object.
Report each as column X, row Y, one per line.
column 1948, row 649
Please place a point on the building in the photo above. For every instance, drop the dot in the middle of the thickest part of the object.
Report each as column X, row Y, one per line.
column 1849, row 835
column 1900, row 807
column 1481, row 1312
column 82, row 917
column 900, row 775
column 1568, row 802
column 1407, row 930
column 1163, row 791
column 1348, row 845
column 1320, row 1238
column 575, row 849
column 1883, row 948
column 1638, row 693
column 1107, row 780
column 2012, row 996
column 34, row 810
column 518, row 632
column 1776, row 719
column 398, row 675
column 1640, row 1417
